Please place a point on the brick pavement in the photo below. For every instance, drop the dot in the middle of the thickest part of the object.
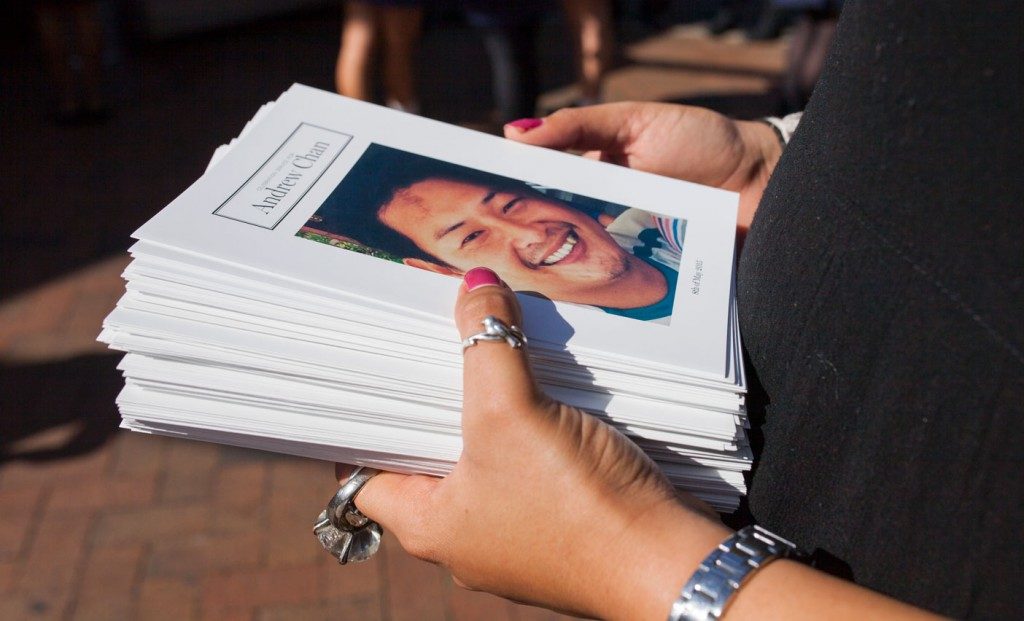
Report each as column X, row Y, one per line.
column 157, row 528
column 131, row 526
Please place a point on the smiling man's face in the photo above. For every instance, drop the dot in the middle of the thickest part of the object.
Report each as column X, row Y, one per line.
column 533, row 243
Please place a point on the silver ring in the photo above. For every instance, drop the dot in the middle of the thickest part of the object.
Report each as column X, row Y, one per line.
column 343, row 531
column 341, row 510
column 496, row 330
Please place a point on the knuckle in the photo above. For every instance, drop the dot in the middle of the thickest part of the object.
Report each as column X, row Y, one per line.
column 424, row 531
column 419, row 541
column 499, row 423
column 495, row 301
column 501, row 403
column 564, row 115
column 418, row 545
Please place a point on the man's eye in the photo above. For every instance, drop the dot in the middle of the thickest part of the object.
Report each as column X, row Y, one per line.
column 511, row 204
column 469, row 238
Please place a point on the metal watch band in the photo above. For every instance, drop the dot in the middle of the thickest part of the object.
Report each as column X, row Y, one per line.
column 720, row 575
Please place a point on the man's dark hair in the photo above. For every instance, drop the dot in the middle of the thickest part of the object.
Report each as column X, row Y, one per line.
column 353, row 208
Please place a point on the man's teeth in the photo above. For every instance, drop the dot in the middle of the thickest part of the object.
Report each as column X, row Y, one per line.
column 562, row 252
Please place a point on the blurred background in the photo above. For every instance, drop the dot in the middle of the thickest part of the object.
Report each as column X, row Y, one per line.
column 111, row 108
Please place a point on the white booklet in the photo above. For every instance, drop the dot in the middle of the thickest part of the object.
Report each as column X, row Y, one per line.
column 386, row 210
column 298, row 297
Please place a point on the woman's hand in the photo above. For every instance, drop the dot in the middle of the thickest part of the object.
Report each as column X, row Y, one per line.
column 684, row 142
column 550, row 506
column 546, row 504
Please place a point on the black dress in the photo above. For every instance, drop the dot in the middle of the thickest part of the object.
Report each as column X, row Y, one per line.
column 880, row 295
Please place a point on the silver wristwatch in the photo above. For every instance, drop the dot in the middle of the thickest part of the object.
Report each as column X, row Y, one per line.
column 724, row 570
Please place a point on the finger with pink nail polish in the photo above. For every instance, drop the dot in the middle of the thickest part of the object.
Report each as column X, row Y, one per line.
column 525, row 125
column 481, row 277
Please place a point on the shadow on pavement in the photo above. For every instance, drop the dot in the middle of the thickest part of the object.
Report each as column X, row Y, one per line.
column 57, row 410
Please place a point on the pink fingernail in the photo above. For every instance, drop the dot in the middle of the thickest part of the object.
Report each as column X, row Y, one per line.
column 525, row 125
column 480, row 277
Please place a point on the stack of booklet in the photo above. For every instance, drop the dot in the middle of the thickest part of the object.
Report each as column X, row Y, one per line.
column 298, row 297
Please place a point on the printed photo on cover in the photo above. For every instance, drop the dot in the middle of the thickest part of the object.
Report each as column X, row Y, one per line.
column 446, row 218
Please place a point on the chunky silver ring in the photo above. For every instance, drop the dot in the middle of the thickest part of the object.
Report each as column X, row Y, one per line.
column 496, row 330
column 343, row 531
column 341, row 510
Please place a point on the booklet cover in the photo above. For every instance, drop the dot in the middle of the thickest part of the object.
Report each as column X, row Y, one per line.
column 297, row 298
column 363, row 203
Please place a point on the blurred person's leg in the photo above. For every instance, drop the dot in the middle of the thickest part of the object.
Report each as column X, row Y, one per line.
column 768, row 21
column 728, row 16
column 401, row 27
column 524, row 53
column 510, row 49
column 590, row 22
column 52, row 21
column 812, row 37
column 505, row 76
column 89, row 32
column 358, row 35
